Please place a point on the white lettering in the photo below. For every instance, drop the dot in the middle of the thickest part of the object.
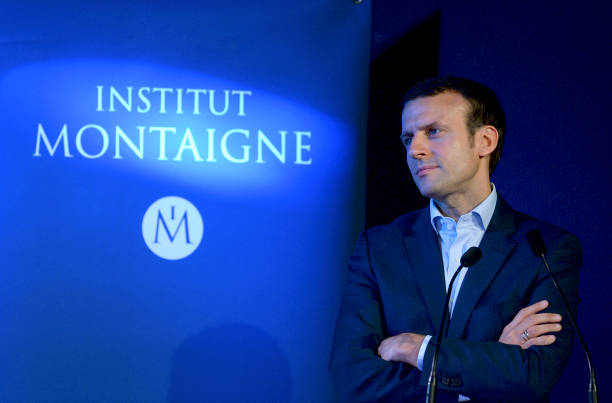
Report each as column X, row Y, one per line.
column 179, row 101
column 196, row 99
column 234, row 145
column 211, row 146
column 120, row 134
column 245, row 148
column 145, row 100
column 114, row 94
column 162, row 139
column 188, row 144
column 79, row 143
column 299, row 147
column 162, row 97
column 63, row 137
column 262, row 139
column 241, row 95
column 211, row 103
column 100, row 108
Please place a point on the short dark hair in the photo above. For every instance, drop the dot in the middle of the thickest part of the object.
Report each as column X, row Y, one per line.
column 486, row 109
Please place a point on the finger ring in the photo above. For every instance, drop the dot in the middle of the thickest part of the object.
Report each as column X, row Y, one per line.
column 525, row 336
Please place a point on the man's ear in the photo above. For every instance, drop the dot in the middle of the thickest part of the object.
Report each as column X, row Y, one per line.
column 486, row 140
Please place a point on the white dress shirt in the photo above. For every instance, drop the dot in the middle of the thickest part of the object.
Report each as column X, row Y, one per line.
column 454, row 239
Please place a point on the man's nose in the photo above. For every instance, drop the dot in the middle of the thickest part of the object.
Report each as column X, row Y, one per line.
column 418, row 146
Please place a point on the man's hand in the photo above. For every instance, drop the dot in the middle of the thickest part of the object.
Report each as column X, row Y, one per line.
column 529, row 328
column 402, row 347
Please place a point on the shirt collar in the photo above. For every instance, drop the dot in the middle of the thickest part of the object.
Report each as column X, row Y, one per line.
column 484, row 210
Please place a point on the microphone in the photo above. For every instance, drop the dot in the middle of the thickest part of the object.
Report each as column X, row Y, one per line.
column 469, row 258
column 536, row 243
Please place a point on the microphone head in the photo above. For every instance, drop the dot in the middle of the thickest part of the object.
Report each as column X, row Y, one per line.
column 536, row 242
column 471, row 256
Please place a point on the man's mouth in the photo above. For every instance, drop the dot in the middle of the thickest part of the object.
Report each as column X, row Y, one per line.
column 424, row 170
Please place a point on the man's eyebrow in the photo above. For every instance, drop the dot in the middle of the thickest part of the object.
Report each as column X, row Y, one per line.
column 423, row 127
column 430, row 125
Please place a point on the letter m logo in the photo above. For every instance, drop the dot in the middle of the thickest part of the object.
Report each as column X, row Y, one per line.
column 161, row 222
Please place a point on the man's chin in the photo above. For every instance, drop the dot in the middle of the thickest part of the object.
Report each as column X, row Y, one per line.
column 426, row 191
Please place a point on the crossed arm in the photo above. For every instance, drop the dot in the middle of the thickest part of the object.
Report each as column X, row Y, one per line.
column 405, row 347
column 368, row 365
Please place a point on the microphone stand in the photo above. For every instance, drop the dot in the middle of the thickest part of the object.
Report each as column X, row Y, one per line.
column 469, row 258
column 432, row 383
column 536, row 242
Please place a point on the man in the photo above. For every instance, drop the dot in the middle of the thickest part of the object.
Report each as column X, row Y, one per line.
column 392, row 304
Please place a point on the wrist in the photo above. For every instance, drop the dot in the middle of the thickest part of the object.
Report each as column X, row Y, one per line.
column 412, row 354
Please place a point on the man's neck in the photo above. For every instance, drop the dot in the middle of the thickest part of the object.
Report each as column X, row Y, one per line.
column 457, row 205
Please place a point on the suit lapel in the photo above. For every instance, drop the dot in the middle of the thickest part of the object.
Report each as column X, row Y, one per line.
column 426, row 263
column 496, row 246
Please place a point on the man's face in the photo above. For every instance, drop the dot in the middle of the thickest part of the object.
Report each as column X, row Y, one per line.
column 440, row 150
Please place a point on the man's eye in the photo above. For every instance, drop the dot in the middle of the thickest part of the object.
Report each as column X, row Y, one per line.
column 407, row 139
column 432, row 131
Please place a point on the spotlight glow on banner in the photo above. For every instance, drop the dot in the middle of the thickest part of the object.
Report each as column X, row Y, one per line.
column 198, row 128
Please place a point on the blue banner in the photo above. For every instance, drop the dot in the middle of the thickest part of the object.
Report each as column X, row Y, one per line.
column 181, row 188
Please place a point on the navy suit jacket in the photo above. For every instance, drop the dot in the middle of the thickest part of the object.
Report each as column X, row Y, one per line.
column 395, row 284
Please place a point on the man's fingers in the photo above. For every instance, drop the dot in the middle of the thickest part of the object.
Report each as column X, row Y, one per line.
column 381, row 351
column 529, row 310
column 383, row 347
column 538, row 319
column 530, row 328
column 539, row 330
column 539, row 341
column 538, row 335
column 546, row 318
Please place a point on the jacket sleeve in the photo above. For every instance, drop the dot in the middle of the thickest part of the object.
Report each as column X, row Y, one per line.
column 359, row 374
column 492, row 371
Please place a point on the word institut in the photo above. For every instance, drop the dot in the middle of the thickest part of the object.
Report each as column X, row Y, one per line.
column 235, row 145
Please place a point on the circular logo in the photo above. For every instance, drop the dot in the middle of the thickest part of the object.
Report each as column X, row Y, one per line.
column 172, row 228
